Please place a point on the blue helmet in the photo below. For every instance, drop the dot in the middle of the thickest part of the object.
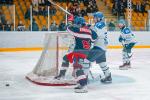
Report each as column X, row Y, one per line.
column 79, row 21
column 98, row 15
column 122, row 21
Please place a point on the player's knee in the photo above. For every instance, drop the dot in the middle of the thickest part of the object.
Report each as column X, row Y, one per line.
column 101, row 59
column 124, row 50
column 102, row 64
column 85, row 63
column 79, row 72
column 128, row 50
column 65, row 64
column 91, row 59
column 77, row 66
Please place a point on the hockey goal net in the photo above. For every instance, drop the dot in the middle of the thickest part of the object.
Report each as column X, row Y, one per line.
column 56, row 45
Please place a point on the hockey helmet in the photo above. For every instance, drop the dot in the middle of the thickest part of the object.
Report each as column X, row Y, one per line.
column 122, row 21
column 98, row 15
column 79, row 21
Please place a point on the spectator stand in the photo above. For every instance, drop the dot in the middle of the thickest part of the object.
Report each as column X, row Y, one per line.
column 139, row 15
column 7, row 17
column 42, row 14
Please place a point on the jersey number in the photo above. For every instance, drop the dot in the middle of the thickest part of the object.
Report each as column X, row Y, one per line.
column 86, row 44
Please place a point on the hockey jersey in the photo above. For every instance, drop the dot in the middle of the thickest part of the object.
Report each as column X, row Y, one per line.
column 101, row 31
column 126, row 36
column 83, row 36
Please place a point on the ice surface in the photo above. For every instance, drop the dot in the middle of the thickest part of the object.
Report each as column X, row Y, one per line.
column 133, row 84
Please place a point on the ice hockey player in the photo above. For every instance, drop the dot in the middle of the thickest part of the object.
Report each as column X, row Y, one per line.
column 83, row 38
column 128, row 41
column 98, row 52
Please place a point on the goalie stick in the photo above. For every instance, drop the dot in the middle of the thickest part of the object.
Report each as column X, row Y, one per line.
column 60, row 7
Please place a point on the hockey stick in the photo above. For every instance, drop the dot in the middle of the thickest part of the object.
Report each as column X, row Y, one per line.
column 91, row 74
column 60, row 7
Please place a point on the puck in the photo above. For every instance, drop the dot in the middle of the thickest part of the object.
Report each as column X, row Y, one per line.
column 7, row 84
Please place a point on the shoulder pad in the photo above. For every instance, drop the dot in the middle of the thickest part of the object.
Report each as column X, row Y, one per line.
column 74, row 28
column 126, row 31
column 100, row 25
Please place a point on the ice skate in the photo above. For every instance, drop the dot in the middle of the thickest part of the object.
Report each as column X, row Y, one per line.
column 59, row 77
column 81, row 89
column 107, row 79
column 124, row 67
column 129, row 65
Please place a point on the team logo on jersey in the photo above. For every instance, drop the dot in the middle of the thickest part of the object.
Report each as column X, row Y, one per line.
column 86, row 44
column 127, row 31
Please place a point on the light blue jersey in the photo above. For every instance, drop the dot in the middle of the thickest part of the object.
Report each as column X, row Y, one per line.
column 101, row 30
column 127, row 36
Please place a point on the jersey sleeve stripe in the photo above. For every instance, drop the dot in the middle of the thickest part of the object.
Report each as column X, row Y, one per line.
column 79, row 35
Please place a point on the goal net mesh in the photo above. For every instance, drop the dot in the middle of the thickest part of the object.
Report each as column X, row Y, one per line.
column 56, row 45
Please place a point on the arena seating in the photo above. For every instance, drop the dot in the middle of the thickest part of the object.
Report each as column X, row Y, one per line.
column 138, row 22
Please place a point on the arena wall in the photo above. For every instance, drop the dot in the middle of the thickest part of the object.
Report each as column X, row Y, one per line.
column 20, row 41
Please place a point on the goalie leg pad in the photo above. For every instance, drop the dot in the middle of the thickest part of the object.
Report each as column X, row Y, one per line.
column 81, row 77
column 86, row 65
column 63, row 69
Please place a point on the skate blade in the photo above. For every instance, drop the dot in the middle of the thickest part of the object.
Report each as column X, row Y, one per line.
column 123, row 68
column 107, row 82
column 80, row 91
column 129, row 66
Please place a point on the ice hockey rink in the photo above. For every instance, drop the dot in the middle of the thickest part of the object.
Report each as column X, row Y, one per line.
column 132, row 84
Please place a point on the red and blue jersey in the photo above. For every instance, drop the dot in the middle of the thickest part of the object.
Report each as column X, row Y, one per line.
column 83, row 36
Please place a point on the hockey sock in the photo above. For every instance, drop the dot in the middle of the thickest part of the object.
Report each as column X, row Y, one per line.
column 104, row 68
column 125, row 58
column 81, row 77
column 64, row 68
column 62, row 72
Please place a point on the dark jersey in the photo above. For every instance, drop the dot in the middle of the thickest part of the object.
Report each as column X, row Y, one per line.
column 83, row 37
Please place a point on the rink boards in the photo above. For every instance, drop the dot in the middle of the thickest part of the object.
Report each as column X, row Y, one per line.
column 33, row 41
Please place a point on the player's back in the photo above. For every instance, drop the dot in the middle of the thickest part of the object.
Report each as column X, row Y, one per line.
column 82, row 36
column 101, row 31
